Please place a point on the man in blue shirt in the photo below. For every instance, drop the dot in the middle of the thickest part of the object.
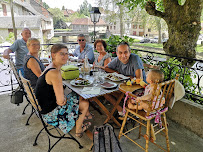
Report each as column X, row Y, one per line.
column 83, row 49
column 20, row 49
column 126, row 63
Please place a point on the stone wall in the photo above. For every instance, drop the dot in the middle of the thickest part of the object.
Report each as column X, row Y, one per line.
column 188, row 114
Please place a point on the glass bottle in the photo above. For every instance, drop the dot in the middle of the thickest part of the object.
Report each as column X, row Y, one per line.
column 86, row 65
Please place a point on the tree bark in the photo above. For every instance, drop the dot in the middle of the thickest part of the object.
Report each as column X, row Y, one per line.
column 183, row 25
column 158, row 24
column 121, row 19
column 13, row 20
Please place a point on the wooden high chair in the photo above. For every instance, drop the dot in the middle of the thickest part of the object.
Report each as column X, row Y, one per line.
column 144, row 118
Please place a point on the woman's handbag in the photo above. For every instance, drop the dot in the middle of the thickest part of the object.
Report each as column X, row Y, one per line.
column 17, row 96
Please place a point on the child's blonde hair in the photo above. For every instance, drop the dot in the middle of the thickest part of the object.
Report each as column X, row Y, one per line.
column 156, row 75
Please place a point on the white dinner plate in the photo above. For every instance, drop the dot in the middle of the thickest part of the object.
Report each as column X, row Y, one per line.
column 72, row 82
column 116, row 77
column 112, row 85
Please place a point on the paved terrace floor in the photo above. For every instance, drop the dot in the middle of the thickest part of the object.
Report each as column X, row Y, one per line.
column 16, row 137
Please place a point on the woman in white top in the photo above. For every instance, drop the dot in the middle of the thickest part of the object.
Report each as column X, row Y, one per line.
column 103, row 58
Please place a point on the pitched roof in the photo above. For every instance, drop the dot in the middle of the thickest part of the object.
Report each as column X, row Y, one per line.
column 86, row 21
column 29, row 7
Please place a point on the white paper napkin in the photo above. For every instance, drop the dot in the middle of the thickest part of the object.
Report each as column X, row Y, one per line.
column 91, row 90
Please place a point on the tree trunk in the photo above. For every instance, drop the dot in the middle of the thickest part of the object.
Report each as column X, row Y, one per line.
column 121, row 20
column 13, row 20
column 158, row 24
column 183, row 26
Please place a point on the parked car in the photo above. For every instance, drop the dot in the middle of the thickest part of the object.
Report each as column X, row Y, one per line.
column 200, row 37
column 145, row 40
column 164, row 40
column 154, row 40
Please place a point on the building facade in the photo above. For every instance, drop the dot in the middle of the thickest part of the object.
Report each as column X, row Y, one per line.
column 27, row 13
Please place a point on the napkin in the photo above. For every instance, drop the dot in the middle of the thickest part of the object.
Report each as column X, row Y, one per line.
column 91, row 90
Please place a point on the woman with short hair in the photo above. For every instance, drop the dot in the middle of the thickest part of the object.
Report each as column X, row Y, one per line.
column 33, row 67
column 103, row 58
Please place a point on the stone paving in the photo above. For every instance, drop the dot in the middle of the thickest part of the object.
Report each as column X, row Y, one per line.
column 16, row 137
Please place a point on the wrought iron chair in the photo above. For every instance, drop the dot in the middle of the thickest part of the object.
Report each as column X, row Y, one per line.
column 14, row 70
column 46, row 127
column 144, row 118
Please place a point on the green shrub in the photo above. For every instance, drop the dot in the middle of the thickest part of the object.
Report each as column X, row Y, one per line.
column 113, row 42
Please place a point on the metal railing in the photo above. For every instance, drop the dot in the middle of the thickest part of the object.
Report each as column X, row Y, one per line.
column 190, row 77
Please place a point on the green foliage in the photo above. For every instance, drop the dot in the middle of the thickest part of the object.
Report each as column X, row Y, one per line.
column 85, row 8
column 199, row 48
column 58, row 17
column 10, row 38
column 74, row 16
column 131, row 4
column 187, row 76
column 45, row 5
column 1, row 61
column 113, row 42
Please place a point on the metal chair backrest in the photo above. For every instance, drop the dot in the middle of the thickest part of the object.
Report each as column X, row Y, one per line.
column 30, row 92
column 15, row 72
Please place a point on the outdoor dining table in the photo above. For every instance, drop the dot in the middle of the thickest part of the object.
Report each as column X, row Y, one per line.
column 94, row 97
column 121, row 86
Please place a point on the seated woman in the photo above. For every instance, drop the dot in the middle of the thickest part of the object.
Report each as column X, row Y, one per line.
column 57, row 109
column 33, row 67
column 101, row 61
column 103, row 58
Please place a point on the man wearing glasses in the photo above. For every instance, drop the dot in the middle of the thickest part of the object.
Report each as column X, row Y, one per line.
column 83, row 49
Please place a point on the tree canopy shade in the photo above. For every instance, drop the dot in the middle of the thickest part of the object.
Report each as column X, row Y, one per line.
column 182, row 18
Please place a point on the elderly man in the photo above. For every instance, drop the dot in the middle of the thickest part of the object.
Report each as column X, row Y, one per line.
column 83, row 49
column 126, row 63
column 20, row 49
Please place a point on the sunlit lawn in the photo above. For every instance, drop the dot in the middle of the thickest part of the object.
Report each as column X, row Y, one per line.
column 199, row 48
column 155, row 45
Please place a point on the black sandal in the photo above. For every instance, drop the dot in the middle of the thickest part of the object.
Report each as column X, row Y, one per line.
column 84, row 128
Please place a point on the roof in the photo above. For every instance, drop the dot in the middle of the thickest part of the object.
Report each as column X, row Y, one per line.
column 67, row 12
column 30, row 21
column 28, row 6
column 86, row 21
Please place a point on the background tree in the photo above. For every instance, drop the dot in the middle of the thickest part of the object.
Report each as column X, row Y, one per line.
column 58, row 18
column 117, row 12
column 74, row 16
column 85, row 8
column 183, row 20
column 45, row 5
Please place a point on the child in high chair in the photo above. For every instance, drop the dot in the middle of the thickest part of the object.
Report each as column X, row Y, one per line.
column 153, row 76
